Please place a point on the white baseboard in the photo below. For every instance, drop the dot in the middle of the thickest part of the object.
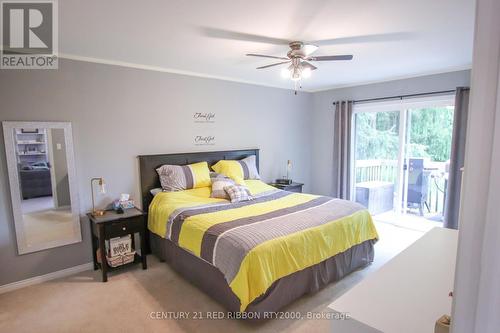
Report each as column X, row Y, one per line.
column 46, row 277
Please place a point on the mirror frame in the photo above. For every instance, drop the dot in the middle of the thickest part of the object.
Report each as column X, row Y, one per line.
column 10, row 151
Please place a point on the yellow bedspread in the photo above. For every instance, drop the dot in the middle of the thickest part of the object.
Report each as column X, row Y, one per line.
column 258, row 242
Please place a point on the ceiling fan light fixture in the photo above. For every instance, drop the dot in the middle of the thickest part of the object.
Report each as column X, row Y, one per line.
column 296, row 74
column 306, row 73
column 298, row 60
column 285, row 73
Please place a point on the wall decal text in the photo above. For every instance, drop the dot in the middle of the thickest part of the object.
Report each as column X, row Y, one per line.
column 204, row 117
column 208, row 140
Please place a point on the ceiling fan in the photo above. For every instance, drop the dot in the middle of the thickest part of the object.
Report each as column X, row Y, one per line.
column 299, row 57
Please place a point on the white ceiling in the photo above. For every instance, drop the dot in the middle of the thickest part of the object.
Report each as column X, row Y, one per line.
column 388, row 38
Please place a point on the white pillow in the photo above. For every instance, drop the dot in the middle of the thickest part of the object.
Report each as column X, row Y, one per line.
column 155, row 191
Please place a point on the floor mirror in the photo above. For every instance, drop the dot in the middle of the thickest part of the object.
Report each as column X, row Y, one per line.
column 43, row 186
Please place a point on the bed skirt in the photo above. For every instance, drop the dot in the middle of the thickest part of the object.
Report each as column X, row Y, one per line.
column 282, row 292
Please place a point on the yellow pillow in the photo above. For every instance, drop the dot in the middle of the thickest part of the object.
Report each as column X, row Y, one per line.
column 201, row 174
column 231, row 169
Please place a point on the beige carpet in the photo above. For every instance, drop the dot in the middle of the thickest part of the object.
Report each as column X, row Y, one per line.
column 81, row 303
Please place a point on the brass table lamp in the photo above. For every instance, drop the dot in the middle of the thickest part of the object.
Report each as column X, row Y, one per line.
column 102, row 190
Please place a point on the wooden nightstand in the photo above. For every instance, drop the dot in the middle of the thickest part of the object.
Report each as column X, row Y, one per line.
column 293, row 187
column 113, row 225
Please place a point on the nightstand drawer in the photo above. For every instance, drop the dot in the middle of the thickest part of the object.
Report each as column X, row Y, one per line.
column 125, row 226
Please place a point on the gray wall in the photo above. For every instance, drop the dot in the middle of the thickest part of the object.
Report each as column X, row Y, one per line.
column 118, row 113
column 322, row 180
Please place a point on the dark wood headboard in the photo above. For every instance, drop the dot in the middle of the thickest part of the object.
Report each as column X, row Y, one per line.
column 149, row 163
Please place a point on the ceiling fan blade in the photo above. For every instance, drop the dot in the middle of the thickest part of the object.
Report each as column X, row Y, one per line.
column 276, row 64
column 375, row 38
column 309, row 49
column 241, row 36
column 330, row 58
column 306, row 64
column 266, row 56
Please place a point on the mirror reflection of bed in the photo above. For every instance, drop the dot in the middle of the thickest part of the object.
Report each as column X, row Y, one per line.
column 44, row 185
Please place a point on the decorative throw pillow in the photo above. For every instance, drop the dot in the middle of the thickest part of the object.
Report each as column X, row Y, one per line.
column 184, row 177
column 218, row 184
column 238, row 170
column 238, row 193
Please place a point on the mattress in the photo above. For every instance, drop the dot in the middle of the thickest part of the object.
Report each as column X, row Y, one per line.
column 254, row 244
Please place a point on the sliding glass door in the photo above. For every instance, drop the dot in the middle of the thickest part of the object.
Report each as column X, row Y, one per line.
column 401, row 152
column 376, row 156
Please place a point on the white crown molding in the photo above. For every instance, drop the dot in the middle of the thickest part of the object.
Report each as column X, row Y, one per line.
column 231, row 79
column 44, row 278
column 394, row 78
column 164, row 70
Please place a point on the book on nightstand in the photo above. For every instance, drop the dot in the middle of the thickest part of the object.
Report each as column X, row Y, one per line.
column 118, row 246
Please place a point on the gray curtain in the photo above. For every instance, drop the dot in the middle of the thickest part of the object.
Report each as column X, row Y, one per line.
column 452, row 204
column 342, row 147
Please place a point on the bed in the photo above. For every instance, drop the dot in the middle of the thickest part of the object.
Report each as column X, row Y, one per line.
column 250, row 256
column 35, row 182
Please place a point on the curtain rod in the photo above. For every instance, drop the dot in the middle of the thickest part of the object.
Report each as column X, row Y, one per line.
column 404, row 96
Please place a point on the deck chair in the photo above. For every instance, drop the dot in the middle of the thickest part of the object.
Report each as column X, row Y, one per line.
column 418, row 184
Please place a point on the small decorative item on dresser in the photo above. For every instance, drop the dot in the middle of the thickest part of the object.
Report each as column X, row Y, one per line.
column 442, row 324
column 113, row 239
column 291, row 187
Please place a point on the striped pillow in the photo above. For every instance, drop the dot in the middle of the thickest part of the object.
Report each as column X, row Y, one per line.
column 184, row 177
column 238, row 170
column 238, row 193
